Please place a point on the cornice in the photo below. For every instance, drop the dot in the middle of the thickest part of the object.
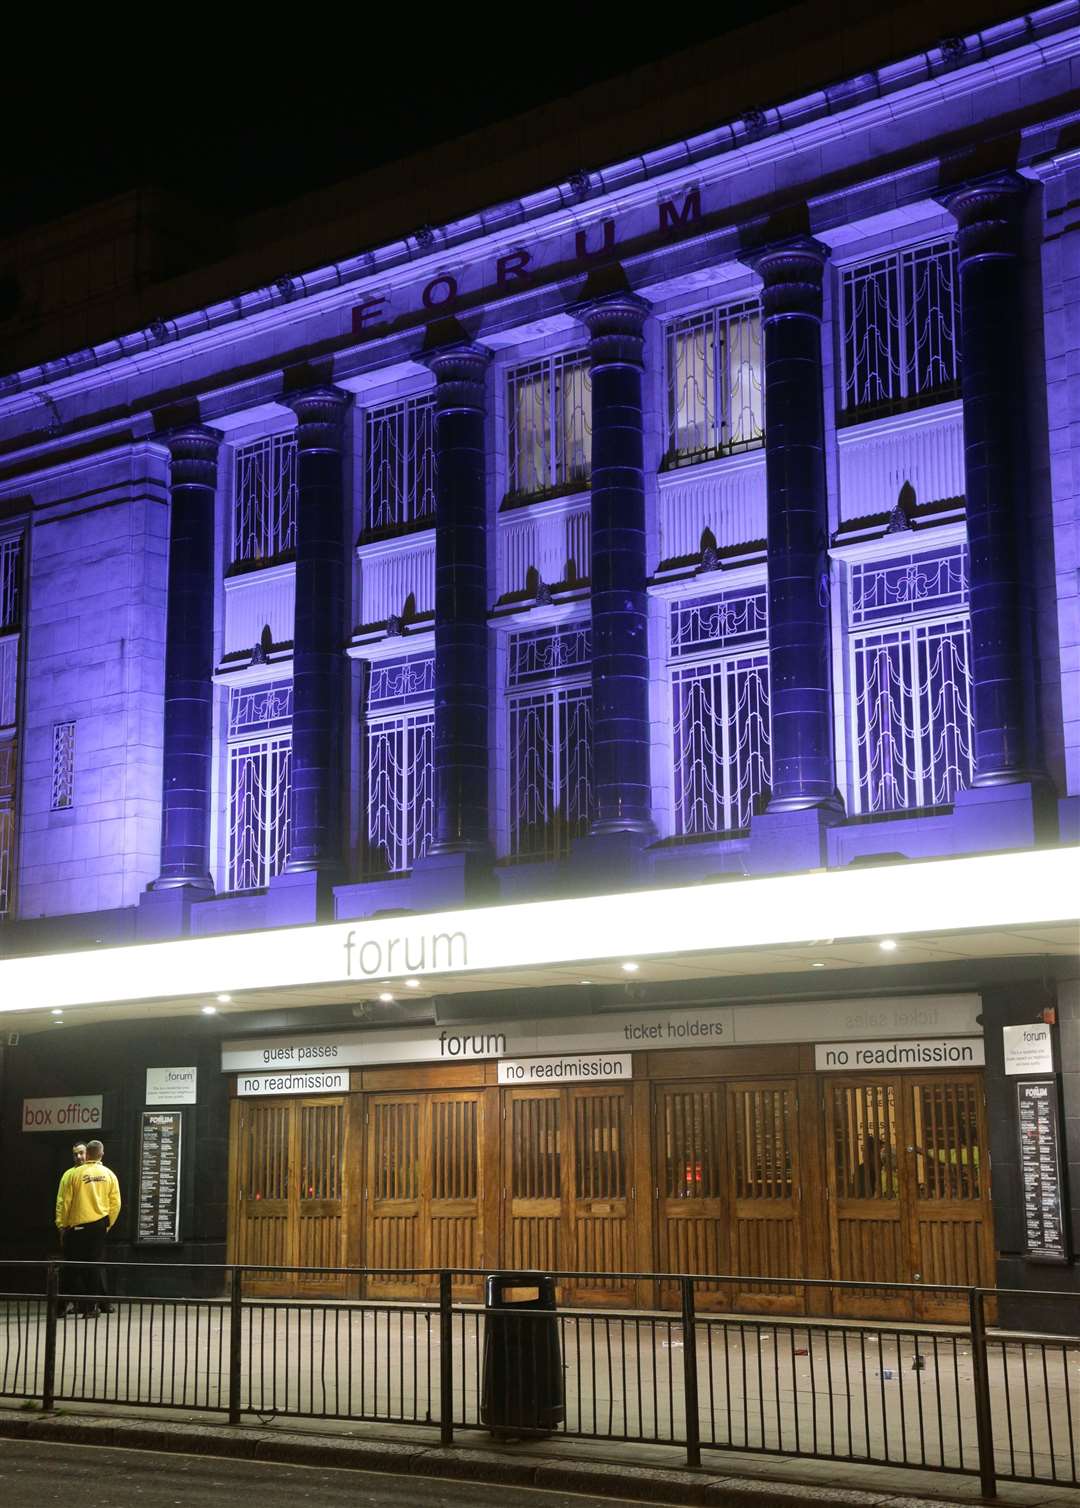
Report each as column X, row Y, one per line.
column 1006, row 51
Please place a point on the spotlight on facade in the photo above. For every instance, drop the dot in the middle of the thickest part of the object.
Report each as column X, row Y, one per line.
column 412, row 984
column 224, row 999
column 209, row 1010
column 386, row 998
column 56, row 1011
column 887, row 945
column 630, row 967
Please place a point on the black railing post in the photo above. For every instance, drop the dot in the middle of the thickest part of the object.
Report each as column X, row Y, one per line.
column 48, row 1380
column 690, row 1389
column 984, row 1424
column 236, row 1315
column 446, row 1359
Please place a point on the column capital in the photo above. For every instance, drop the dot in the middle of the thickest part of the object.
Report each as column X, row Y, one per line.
column 616, row 326
column 791, row 272
column 193, row 453
column 459, row 370
column 988, row 213
column 320, row 414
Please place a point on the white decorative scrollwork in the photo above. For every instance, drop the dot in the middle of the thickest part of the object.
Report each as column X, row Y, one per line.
column 400, row 464
column 264, row 500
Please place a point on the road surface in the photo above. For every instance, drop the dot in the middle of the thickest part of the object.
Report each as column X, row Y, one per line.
column 92, row 1476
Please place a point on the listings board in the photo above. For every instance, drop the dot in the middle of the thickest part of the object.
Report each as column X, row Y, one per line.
column 159, row 1178
column 1038, row 1121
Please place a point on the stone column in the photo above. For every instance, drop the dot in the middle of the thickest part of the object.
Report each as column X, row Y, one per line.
column 318, row 637
column 189, row 663
column 989, row 218
column 622, row 790
column 803, row 801
column 461, row 604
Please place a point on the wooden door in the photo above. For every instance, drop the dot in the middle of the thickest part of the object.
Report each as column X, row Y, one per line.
column 952, row 1216
column 392, row 1231
column 601, row 1236
column 728, row 1190
column 691, row 1189
column 424, row 1201
column 909, row 1190
column 870, row 1235
column 290, row 1192
column 568, row 1190
column 766, row 1231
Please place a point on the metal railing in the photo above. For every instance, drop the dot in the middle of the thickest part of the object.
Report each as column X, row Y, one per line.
column 1004, row 1406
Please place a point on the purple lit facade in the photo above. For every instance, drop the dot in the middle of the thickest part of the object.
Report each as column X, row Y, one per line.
column 724, row 522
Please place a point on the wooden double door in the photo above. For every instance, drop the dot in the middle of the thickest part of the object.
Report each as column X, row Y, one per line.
column 908, row 1190
column 729, row 1186
column 291, row 1192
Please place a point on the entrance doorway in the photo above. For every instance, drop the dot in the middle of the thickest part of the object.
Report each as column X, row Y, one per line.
column 289, row 1157
column 567, row 1159
column 908, row 1190
column 728, row 1190
column 424, row 1184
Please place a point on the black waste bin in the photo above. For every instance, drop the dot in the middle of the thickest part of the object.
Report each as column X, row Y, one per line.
column 523, row 1378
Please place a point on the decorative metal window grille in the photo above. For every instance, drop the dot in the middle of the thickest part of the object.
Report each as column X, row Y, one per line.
column 260, row 756
column 720, row 710
column 63, row 766
column 549, row 409
column 399, row 682
column 550, row 770
column 709, row 623
column 546, row 652
column 7, row 860
column 10, row 582
column 715, row 390
column 935, row 581
column 400, row 465
column 264, row 500
column 9, row 679
column 260, row 709
column 400, row 790
column 900, row 329
column 911, row 682
column 399, row 739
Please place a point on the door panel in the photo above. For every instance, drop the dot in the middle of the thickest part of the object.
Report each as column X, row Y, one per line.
column 767, row 1228
column 600, row 1202
column 870, row 1236
column 692, row 1196
column 951, row 1194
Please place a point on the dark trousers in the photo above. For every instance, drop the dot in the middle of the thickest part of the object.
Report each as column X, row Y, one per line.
column 86, row 1243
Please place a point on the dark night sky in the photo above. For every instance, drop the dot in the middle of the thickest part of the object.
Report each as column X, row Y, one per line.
column 296, row 103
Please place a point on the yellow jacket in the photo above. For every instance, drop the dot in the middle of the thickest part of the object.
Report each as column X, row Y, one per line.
column 87, row 1192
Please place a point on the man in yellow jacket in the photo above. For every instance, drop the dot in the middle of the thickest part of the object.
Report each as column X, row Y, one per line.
column 87, row 1204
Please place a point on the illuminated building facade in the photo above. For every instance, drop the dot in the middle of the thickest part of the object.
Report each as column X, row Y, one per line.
column 702, row 520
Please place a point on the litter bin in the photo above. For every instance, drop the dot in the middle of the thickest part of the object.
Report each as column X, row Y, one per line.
column 523, row 1377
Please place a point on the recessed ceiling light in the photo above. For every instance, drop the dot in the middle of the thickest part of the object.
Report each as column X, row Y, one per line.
column 630, row 967
column 224, row 999
column 584, row 981
column 887, row 945
column 817, row 965
column 412, row 984
column 58, row 1011
column 386, row 997
column 209, row 1010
